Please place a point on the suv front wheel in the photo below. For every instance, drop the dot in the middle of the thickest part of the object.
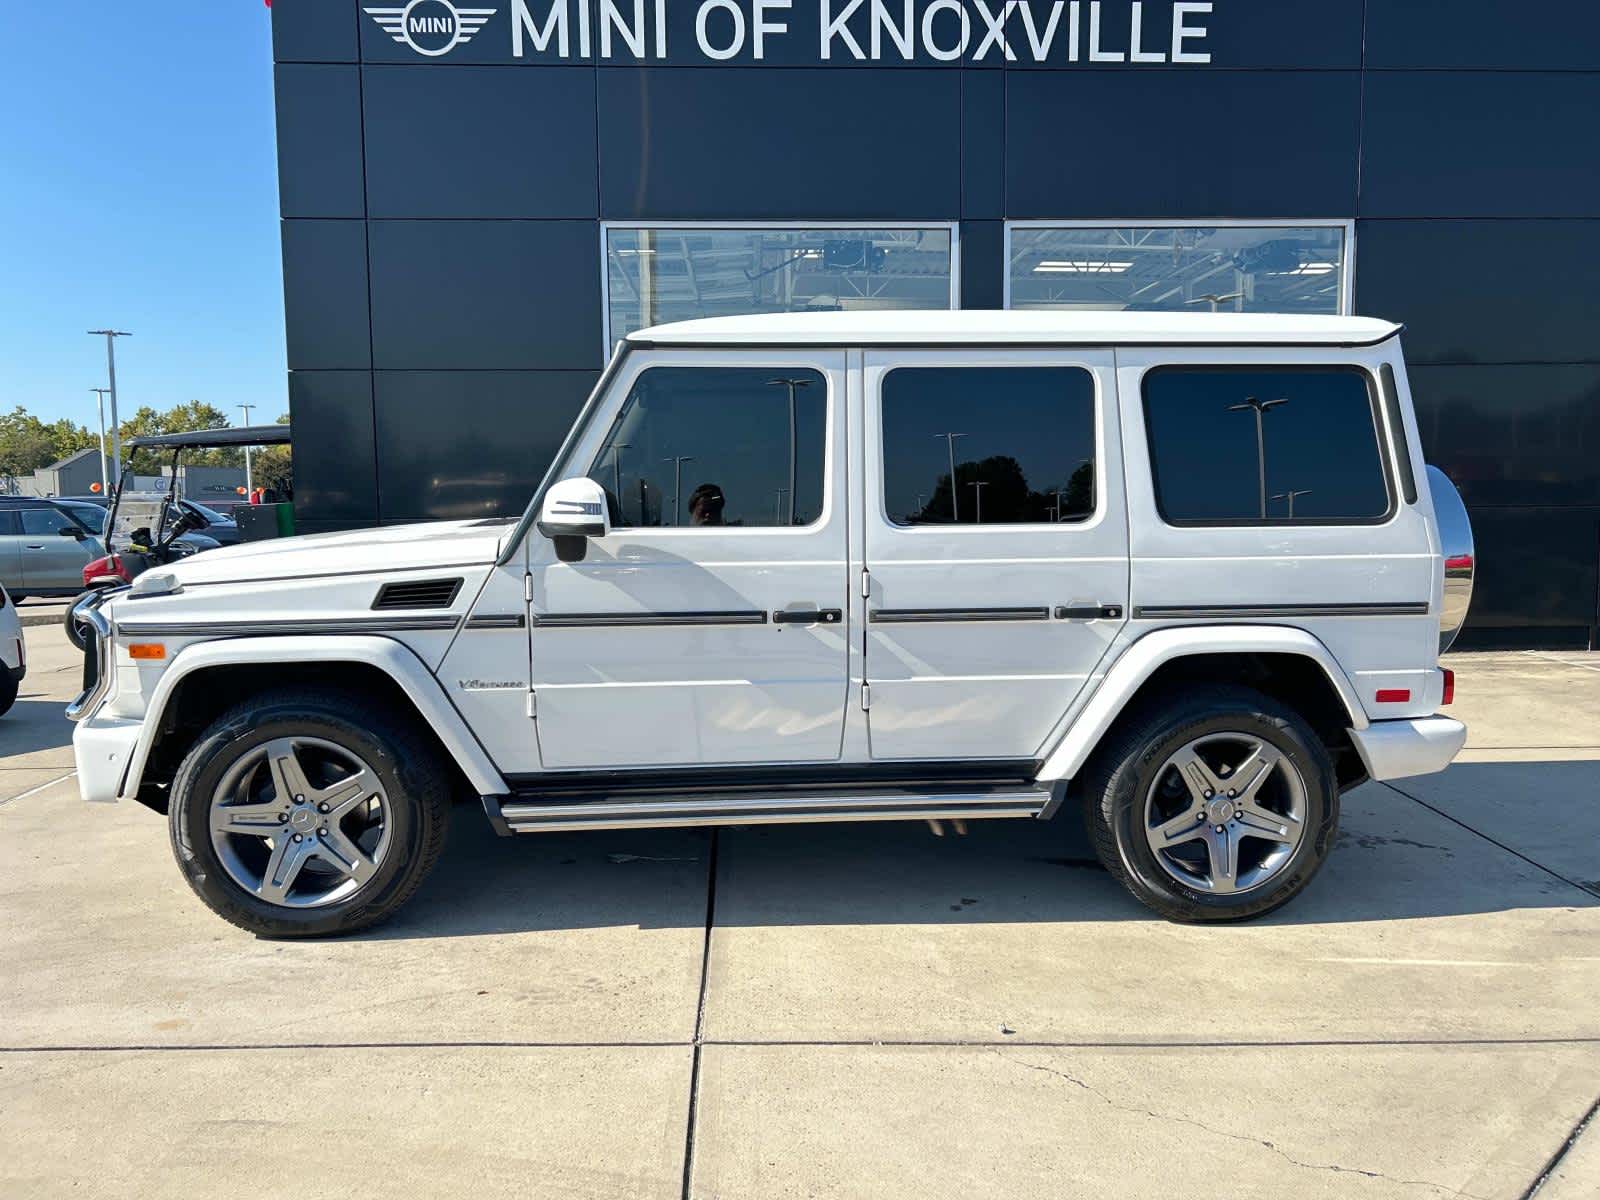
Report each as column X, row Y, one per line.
column 289, row 819
column 1218, row 806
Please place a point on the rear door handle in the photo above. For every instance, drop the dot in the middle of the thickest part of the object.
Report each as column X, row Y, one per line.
column 807, row 616
column 31, row 546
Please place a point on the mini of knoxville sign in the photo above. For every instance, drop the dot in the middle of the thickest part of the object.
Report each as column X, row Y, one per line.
column 1042, row 32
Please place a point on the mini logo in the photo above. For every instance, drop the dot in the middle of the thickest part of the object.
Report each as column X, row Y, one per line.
column 431, row 27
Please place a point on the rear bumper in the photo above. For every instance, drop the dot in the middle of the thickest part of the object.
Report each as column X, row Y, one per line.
column 102, row 747
column 1420, row 746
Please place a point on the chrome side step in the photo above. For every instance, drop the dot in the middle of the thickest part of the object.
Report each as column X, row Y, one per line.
column 767, row 808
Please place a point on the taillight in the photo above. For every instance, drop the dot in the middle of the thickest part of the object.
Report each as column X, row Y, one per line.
column 1449, row 687
column 109, row 567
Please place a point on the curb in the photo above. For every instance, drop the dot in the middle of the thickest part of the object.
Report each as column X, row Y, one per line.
column 41, row 619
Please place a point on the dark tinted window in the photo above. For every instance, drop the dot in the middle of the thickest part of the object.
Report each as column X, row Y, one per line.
column 39, row 522
column 717, row 446
column 1315, row 459
column 8, row 522
column 1020, row 441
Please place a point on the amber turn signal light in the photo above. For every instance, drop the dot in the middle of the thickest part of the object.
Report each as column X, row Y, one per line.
column 147, row 651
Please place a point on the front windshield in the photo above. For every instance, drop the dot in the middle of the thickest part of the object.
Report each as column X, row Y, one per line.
column 209, row 514
column 136, row 512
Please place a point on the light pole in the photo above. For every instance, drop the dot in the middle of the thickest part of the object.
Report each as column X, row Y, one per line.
column 249, row 479
column 977, row 499
column 105, row 476
column 1289, row 496
column 950, row 444
column 791, row 384
column 1259, row 407
column 111, row 336
column 677, row 462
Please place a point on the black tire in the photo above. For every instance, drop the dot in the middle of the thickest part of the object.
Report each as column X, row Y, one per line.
column 391, row 743
column 75, row 629
column 8, row 691
column 1128, row 764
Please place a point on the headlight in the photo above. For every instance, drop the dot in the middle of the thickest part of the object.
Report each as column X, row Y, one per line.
column 155, row 583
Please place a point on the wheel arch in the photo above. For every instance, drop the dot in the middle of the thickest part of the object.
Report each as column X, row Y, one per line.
column 1284, row 662
column 207, row 677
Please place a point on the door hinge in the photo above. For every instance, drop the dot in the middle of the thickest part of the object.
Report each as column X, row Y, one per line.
column 866, row 697
column 533, row 704
column 866, row 583
column 527, row 589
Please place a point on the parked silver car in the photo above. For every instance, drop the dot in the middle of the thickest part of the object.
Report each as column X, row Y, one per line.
column 43, row 547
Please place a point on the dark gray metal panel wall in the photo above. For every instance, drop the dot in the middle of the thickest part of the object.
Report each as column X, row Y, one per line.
column 441, row 222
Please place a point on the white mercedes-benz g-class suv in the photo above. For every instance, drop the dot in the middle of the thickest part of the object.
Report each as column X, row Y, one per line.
column 1186, row 572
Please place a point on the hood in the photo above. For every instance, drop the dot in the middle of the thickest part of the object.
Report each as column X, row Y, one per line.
column 391, row 548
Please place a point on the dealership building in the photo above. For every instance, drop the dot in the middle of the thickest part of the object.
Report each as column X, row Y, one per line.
column 479, row 198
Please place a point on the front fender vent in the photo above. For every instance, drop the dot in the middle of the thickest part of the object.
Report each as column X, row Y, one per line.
column 417, row 593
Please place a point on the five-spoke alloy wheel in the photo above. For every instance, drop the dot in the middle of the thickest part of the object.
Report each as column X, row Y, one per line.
column 1218, row 805
column 290, row 819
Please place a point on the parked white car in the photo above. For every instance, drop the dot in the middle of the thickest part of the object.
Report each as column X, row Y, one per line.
column 13, row 653
column 1183, row 572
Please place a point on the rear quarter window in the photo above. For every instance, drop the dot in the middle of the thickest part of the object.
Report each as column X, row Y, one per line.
column 1265, row 446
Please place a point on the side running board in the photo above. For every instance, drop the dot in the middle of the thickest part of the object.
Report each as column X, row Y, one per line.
column 766, row 807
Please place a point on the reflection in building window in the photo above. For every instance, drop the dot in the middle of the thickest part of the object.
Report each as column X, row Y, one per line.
column 1196, row 268
column 657, row 275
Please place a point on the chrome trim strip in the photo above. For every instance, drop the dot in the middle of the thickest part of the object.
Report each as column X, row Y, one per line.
column 1163, row 612
column 623, row 620
column 910, row 616
column 497, row 621
column 87, row 701
column 272, row 628
column 899, row 806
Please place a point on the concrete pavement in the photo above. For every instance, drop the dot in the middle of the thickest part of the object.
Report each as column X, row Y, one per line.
column 826, row 1011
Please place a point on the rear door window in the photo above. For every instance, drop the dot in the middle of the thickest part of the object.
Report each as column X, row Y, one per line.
column 988, row 445
column 1265, row 446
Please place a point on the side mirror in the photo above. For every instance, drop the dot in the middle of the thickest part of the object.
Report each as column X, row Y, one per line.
column 573, row 510
column 73, row 532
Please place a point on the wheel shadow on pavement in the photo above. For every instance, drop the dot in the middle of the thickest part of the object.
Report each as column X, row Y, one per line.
column 1396, row 858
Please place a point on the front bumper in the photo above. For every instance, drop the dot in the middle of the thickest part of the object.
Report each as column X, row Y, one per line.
column 1420, row 746
column 102, row 747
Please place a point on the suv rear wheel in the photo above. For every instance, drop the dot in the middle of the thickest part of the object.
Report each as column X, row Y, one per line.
column 1218, row 806
column 291, row 820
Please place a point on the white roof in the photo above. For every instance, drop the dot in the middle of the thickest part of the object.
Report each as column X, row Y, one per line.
column 1027, row 327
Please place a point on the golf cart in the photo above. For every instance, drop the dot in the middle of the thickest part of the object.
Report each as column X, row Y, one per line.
column 144, row 529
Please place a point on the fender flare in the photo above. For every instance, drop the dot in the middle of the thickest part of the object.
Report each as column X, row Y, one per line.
column 393, row 658
column 1141, row 659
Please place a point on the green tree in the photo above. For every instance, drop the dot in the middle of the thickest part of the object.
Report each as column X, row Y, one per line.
column 273, row 467
column 181, row 418
column 27, row 443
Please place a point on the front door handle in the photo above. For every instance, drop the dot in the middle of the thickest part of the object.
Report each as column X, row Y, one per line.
column 807, row 616
column 1091, row 612
column 33, row 547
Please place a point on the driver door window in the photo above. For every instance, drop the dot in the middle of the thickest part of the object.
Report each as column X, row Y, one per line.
column 716, row 446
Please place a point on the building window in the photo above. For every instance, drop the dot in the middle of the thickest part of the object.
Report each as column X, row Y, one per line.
column 717, row 446
column 1255, row 267
column 661, row 273
column 1017, row 441
column 1251, row 445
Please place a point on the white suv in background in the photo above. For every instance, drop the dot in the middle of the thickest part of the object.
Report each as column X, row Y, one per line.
column 1184, row 573
column 13, row 653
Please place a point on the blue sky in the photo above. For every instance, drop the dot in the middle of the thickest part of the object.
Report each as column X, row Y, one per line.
column 138, row 188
